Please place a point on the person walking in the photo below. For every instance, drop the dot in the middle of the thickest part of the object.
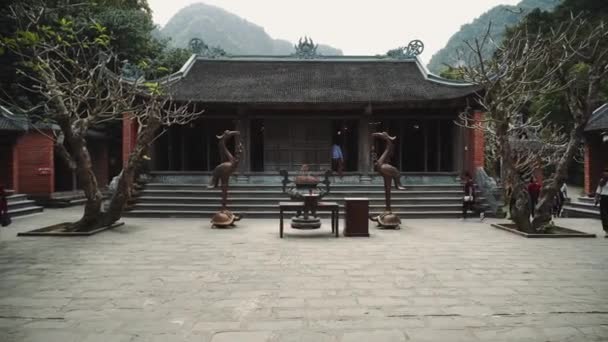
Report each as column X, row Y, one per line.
column 5, row 220
column 601, row 198
column 337, row 159
column 534, row 192
column 562, row 195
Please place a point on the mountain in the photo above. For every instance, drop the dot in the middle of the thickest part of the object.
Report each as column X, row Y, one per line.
column 218, row 27
column 500, row 16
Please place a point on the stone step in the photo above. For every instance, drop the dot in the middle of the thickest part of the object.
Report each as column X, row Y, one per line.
column 590, row 212
column 274, row 200
column 267, row 207
column 16, row 198
column 64, row 202
column 588, row 200
column 207, row 214
column 274, row 193
column 20, row 205
column 278, row 187
column 20, row 212
column 14, row 205
column 583, row 205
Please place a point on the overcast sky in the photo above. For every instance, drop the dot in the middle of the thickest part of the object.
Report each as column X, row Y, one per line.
column 358, row 27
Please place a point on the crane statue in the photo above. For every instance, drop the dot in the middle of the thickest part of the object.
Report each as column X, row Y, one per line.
column 222, row 173
column 389, row 173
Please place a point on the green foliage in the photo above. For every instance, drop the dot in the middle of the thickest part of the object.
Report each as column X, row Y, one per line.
column 500, row 17
column 218, row 27
column 451, row 73
column 132, row 33
column 170, row 61
column 577, row 70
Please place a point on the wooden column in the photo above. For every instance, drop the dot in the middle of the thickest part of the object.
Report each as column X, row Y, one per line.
column 183, row 141
column 425, row 133
column 170, row 164
column 363, row 148
column 438, row 123
column 243, row 125
column 129, row 137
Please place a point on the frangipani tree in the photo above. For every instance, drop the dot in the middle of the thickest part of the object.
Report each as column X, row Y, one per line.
column 70, row 70
column 528, row 66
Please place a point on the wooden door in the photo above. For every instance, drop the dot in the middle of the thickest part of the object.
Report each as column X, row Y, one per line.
column 290, row 143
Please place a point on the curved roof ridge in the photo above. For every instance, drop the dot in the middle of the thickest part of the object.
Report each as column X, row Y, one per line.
column 324, row 79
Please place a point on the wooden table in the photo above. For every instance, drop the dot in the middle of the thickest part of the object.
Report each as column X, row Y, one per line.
column 332, row 207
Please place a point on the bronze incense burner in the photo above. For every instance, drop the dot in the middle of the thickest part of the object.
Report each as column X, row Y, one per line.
column 306, row 188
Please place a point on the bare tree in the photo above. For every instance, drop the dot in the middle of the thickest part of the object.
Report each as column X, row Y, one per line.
column 581, row 79
column 67, row 66
column 526, row 65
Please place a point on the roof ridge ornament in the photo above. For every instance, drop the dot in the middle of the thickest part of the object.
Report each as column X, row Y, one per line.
column 306, row 49
column 413, row 49
column 200, row 48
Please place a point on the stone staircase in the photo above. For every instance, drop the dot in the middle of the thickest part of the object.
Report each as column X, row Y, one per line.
column 161, row 199
column 64, row 199
column 583, row 207
column 20, row 205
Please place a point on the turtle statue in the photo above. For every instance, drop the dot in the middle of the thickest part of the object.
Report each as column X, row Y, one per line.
column 221, row 175
column 389, row 174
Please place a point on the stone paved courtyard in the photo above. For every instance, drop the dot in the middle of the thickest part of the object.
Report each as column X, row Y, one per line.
column 179, row 280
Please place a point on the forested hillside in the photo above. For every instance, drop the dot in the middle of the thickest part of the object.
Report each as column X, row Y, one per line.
column 500, row 16
column 218, row 27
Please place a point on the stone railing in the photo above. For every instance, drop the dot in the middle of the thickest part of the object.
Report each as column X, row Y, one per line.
column 491, row 191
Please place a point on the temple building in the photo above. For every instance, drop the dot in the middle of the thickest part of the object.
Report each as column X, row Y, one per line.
column 290, row 110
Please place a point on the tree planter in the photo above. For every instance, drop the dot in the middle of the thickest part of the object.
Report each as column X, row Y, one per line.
column 59, row 230
column 556, row 232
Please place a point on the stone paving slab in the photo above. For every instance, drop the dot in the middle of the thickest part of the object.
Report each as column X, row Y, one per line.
column 180, row 280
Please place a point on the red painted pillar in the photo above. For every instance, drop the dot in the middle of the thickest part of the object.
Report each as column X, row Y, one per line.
column 477, row 144
column 129, row 137
column 15, row 166
column 35, row 163
column 587, row 168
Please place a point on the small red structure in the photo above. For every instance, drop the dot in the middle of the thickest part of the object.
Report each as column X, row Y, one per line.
column 596, row 148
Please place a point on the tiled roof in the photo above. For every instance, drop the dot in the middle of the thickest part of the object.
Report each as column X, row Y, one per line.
column 329, row 80
column 599, row 119
column 10, row 121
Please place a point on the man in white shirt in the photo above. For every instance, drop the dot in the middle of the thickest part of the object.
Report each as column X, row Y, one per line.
column 601, row 198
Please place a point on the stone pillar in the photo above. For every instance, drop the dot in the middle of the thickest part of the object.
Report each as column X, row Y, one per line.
column 364, row 149
column 129, row 137
column 243, row 125
column 35, row 156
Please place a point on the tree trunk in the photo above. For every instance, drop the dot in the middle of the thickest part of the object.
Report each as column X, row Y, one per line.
column 88, row 182
column 516, row 192
column 542, row 212
column 124, row 189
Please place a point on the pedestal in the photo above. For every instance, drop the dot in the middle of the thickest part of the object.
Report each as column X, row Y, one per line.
column 356, row 220
column 309, row 218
